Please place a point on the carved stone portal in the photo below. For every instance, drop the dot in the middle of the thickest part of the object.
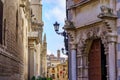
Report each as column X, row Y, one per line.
column 84, row 41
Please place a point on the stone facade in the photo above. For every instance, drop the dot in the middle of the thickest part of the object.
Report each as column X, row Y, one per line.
column 37, row 47
column 52, row 62
column 20, row 39
column 58, row 72
column 43, row 58
column 87, row 21
column 13, row 17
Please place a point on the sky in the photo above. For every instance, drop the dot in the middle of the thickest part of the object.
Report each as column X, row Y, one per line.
column 53, row 10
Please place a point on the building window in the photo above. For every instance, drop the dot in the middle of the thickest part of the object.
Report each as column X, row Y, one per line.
column 16, row 25
column 52, row 64
column 63, row 68
column 57, row 75
column 53, row 76
column 1, row 18
column 52, row 68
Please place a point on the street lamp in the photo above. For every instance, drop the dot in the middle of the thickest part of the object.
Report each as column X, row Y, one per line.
column 64, row 34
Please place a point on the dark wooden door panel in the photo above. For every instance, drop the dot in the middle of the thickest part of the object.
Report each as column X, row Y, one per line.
column 94, row 58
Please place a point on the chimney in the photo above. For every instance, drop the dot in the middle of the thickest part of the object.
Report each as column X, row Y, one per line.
column 58, row 54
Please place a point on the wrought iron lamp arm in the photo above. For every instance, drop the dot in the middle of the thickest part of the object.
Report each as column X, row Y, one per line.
column 64, row 34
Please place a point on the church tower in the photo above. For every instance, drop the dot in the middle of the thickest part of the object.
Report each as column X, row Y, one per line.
column 44, row 58
column 35, row 38
column 36, row 16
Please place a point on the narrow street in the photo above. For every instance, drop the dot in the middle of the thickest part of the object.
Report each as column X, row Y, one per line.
column 59, row 40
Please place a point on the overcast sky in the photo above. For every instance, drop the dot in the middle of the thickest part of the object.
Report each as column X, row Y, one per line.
column 53, row 10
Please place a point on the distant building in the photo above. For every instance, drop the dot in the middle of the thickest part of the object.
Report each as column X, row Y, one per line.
column 53, row 60
column 62, row 71
column 52, row 63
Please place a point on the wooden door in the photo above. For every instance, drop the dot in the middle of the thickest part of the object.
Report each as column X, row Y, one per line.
column 94, row 58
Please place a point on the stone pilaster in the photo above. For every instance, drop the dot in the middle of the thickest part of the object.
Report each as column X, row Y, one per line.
column 73, row 61
column 112, row 58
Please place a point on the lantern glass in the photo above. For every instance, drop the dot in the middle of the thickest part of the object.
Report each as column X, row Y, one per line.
column 56, row 26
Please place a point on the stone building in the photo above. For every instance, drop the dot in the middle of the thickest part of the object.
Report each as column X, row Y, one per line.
column 43, row 58
column 93, row 28
column 62, row 71
column 20, row 39
column 58, row 72
column 52, row 62
column 37, row 47
column 13, row 23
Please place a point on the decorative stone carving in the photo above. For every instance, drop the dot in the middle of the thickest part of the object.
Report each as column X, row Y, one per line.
column 68, row 23
column 69, row 27
column 106, row 11
column 92, row 32
column 99, row 31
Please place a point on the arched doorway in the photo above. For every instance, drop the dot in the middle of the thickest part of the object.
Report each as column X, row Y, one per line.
column 97, row 61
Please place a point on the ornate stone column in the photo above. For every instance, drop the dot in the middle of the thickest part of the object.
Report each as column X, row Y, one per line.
column 70, row 28
column 31, row 61
column 112, row 58
column 73, row 60
column 109, row 19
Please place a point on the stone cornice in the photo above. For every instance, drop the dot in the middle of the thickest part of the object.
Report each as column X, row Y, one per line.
column 78, row 4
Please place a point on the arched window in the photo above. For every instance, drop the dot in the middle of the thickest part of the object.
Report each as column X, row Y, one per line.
column 1, row 18
column 16, row 25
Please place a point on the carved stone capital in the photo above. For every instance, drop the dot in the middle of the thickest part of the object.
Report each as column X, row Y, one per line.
column 112, row 38
column 73, row 45
column 69, row 27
